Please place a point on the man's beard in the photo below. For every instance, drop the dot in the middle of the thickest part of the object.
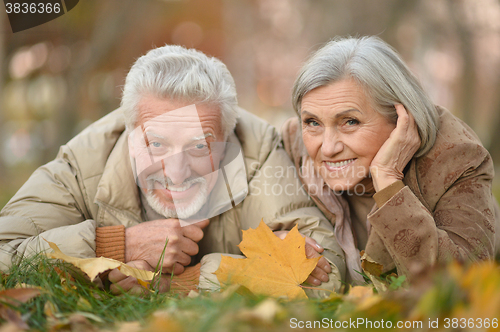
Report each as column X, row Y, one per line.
column 179, row 212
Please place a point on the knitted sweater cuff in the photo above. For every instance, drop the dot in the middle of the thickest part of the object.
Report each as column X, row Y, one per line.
column 110, row 242
column 186, row 281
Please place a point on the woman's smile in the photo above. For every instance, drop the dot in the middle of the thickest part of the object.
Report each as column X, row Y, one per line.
column 342, row 133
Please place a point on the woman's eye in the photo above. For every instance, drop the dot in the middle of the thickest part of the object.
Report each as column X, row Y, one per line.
column 352, row 122
column 200, row 146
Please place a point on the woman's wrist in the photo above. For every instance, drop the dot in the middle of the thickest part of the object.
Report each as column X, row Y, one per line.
column 382, row 181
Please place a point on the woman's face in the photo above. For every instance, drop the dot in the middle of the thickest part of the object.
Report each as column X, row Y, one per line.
column 342, row 134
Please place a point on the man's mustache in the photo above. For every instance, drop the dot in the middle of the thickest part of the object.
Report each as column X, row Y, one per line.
column 166, row 182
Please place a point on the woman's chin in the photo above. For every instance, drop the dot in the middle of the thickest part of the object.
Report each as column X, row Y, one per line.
column 350, row 187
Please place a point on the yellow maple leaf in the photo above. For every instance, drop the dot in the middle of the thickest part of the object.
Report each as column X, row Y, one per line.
column 273, row 266
column 93, row 266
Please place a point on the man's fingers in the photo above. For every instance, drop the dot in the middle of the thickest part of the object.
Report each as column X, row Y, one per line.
column 116, row 276
column 202, row 224
column 177, row 262
column 188, row 247
column 193, row 232
column 177, row 268
column 128, row 285
column 141, row 265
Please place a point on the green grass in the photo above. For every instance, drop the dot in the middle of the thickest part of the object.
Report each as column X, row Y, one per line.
column 454, row 291
column 78, row 295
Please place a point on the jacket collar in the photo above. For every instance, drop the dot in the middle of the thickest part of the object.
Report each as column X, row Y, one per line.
column 117, row 193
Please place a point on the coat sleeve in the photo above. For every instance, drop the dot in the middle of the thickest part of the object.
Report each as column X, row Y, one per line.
column 277, row 196
column 460, row 223
column 49, row 206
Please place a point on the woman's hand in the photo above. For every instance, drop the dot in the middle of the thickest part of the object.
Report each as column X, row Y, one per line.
column 125, row 284
column 313, row 249
column 388, row 164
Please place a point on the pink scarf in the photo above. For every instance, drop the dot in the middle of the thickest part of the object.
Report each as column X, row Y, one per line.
column 337, row 205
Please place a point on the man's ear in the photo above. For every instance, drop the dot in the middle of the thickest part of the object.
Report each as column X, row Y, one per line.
column 131, row 149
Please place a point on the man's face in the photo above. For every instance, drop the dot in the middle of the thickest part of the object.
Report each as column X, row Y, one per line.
column 176, row 154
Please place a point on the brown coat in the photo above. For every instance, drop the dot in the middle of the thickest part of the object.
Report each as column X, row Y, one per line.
column 445, row 211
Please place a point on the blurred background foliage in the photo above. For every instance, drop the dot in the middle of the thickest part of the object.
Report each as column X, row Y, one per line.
column 57, row 78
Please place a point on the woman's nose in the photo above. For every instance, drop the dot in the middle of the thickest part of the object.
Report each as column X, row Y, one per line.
column 332, row 144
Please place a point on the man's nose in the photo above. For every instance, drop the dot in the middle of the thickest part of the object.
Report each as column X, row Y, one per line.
column 176, row 167
column 332, row 144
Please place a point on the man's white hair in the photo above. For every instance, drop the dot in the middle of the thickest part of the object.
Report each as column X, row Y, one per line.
column 181, row 74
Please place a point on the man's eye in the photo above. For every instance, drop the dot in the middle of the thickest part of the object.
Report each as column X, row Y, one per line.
column 200, row 146
column 155, row 144
column 312, row 123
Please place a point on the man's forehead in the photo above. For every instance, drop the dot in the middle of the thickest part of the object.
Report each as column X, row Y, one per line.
column 171, row 117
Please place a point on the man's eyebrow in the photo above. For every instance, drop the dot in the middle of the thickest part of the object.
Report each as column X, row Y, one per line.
column 152, row 134
column 197, row 138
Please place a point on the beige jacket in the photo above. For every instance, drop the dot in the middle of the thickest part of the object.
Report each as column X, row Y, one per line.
column 91, row 184
column 443, row 210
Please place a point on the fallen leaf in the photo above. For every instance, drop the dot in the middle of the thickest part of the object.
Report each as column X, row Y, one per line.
column 93, row 266
column 266, row 311
column 17, row 296
column 273, row 266
column 10, row 327
column 373, row 270
column 359, row 293
column 13, row 298
column 370, row 266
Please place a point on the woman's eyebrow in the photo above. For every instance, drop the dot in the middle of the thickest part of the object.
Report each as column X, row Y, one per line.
column 340, row 114
column 336, row 115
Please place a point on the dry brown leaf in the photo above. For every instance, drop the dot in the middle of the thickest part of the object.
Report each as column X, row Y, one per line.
column 273, row 266
column 16, row 297
column 265, row 312
column 373, row 270
column 370, row 266
column 93, row 266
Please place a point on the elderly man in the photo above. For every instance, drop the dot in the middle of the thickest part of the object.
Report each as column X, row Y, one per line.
column 178, row 161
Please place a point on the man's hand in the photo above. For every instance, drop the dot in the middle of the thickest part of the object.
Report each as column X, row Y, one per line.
column 125, row 284
column 146, row 242
column 313, row 249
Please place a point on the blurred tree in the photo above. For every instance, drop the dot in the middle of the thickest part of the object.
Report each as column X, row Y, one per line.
column 264, row 44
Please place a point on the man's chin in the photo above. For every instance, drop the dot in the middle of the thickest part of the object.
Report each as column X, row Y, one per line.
column 181, row 209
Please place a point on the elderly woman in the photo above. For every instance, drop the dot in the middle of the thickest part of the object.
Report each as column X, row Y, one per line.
column 399, row 177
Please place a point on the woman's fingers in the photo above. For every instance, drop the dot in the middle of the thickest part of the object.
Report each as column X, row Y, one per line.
column 393, row 156
column 317, row 276
column 320, row 272
column 312, row 242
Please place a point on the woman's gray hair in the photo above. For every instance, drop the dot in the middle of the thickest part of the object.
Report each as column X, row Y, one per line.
column 382, row 74
column 182, row 74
